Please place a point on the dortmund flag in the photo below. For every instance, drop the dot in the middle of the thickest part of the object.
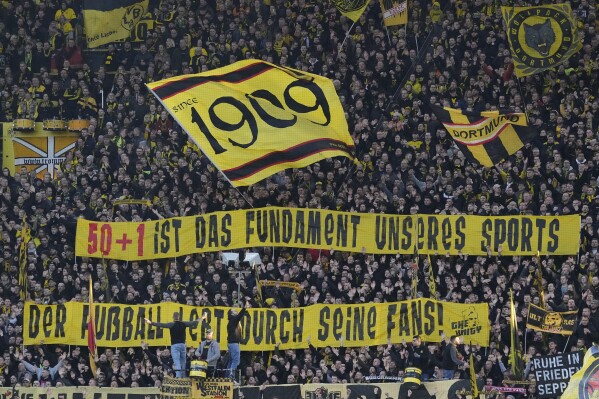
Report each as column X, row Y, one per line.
column 394, row 12
column 515, row 349
column 540, row 37
column 584, row 384
column 352, row 9
column 253, row 119
column 106, row 21
column 488, row 137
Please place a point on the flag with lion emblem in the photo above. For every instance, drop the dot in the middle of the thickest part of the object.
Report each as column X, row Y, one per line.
column 106, row 21
column 540, row 37
column 552, row 322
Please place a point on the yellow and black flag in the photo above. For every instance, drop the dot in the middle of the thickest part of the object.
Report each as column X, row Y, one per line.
column 352, row 9
column 395, row 12
column 515, row 349
column 106, row 21
column 488, row 137
column 253, row 119
column 540, row 37
column 584, row 384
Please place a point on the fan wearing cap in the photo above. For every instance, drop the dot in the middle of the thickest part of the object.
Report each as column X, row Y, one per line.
column 178, row 330
column 209, row 350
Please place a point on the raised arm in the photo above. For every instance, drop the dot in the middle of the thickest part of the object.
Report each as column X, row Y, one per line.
column 161, row 325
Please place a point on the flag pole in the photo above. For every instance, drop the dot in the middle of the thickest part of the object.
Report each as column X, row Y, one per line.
column 388, row 36
column 346, row 36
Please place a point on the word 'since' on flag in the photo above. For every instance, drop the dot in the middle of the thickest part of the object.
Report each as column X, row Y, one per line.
column 253, row 119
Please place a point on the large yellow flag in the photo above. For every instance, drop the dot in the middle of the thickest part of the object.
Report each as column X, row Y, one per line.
column 540, row 37
column 395, row 12
column 584, row 384
column 352, row 9
column 253, row 118
column 105, row 21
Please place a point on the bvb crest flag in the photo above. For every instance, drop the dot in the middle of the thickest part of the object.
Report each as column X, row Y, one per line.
column 488, row 137
column 394, row 12
column 352, row 9
column 106, row 21
column 584, row 384
column 540, row 37
column 253, row 118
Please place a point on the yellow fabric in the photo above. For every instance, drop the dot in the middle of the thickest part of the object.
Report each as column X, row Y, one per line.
column 103, row 27
column 363, row 324
column 253, row 119
column 580, row 383
column 40, row 150
column 324, row 229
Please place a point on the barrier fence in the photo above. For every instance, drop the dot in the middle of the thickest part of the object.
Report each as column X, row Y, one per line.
column 441, row 390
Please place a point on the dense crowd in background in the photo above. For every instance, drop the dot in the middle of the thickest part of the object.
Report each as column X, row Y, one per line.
column 458, row 57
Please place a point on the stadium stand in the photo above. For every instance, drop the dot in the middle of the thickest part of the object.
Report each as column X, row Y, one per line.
column 133, row 149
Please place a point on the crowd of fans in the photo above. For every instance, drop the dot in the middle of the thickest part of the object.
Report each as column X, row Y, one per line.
column 408, row 164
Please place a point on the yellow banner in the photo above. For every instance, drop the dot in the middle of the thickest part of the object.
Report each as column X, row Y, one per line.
column 324, row 229
column 40, row 150
column 540, row 37
column 358, row 325
column 105, row 21
column 394, row 12
column 253, row 119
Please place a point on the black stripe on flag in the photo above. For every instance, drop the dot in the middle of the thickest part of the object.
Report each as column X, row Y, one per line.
column 240, row 75
column 107, row 5
column 496, row 150
column 292, row 154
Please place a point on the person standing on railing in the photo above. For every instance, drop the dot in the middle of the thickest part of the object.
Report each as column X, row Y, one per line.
column 178, row 331
column 233, row 337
